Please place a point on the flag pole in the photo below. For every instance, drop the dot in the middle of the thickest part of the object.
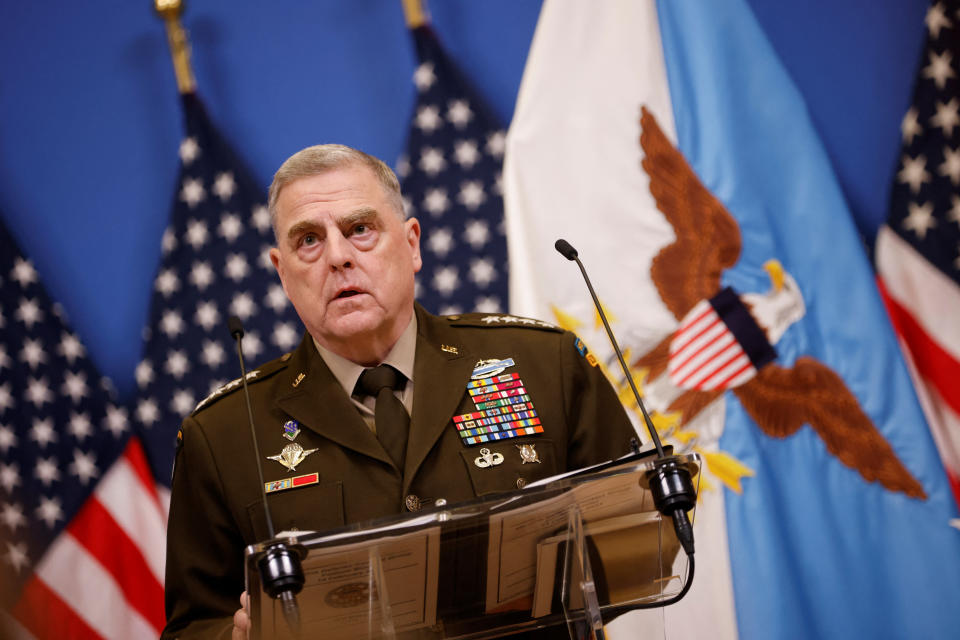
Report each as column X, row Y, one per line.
column 415, row 12
column 170, row 11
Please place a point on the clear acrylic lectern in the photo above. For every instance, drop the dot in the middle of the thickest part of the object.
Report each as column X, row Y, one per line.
column 569, row 553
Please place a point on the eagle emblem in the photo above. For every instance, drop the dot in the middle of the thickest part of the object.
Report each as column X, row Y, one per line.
column 726, row 340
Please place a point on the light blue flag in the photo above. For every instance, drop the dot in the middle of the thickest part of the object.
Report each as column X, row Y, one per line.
column 816, row 550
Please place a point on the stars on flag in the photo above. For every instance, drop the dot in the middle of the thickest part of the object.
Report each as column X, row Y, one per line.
column 950, row 167
column 940, row 68
column 914, row 173
column 936, row 19
column 920, row 219
column 59, row 425
column 910, row 126
column 450, row 172
column 925, row 205
column 189, row 150
column 946, row 116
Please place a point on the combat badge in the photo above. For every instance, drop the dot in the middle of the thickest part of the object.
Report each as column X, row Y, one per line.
column 291, row 429
column 528, row 453
column 487, row 459
column 491, row 367
column 291, row 456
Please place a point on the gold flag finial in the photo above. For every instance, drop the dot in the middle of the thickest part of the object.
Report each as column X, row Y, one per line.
column 170, row 11
column 416, row 13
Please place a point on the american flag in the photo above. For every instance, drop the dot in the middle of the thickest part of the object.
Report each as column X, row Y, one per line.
column 450, row 174
column 214, row 265
column 918, row 250
column 81, row 527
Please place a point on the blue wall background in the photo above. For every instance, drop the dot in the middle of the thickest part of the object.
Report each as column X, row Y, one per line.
column 90, row 120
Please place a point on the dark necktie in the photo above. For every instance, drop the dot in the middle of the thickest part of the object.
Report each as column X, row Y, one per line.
column 390, row 417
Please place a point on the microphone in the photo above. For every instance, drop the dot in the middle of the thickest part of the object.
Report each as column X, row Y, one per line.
column 281, row 573
column 670, row 483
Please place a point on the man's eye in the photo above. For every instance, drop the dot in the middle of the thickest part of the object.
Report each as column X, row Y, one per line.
column 308, row 240
column 360, row 228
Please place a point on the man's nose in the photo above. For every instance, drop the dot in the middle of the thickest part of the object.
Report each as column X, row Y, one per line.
column 339, row 252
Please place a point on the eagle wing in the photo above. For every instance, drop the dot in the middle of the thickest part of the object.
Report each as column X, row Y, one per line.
column 708, row 238
column 782, row 400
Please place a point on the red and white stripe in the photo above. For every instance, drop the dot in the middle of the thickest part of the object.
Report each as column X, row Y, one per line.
column 705, row 355
column 103, row 576
column 924, row 305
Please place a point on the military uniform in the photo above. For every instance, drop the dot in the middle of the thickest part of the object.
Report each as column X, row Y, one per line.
column 216, row 508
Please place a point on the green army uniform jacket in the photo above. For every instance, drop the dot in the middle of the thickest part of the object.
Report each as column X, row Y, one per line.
column 216, row 508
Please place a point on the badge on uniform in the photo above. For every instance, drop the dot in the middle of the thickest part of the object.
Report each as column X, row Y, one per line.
column 528, row 453
column 291, row 429
column 487, row 459
column 291, row 456
column 486, row 368
column 503, row 405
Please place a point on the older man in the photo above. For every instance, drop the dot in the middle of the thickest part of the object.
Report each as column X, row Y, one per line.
column 365, row 411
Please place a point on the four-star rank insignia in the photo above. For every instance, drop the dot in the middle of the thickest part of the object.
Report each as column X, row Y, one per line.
column 503, row 406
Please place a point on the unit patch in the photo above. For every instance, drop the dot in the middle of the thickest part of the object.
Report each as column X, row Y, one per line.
column 503, row 411
column 291, row 483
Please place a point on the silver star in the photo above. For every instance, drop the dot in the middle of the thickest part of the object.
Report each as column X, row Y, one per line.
column 192, row 192
column 84, row 466
column 424, row 77
column 920, row 220
column 182, row 402
column 224, row 186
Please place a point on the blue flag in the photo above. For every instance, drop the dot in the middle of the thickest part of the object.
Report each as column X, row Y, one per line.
column 817, row 551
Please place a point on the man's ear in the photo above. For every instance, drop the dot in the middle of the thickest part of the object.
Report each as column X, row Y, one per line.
column 278, row 265
column 412, row 227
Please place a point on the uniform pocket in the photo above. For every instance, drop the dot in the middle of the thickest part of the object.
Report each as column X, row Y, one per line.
column 513, row 473
column 313, row 508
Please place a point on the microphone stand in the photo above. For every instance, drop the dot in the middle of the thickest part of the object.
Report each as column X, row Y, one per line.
column 281, row 572
column 670, row 482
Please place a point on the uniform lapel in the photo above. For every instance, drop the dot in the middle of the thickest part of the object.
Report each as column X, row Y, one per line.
column 317, row 401
column 440, row 374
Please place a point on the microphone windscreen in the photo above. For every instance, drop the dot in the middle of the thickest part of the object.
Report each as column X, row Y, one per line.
column 235, row 326
column 565, row 249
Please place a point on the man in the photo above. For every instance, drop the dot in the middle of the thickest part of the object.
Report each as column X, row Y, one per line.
column 347, row 258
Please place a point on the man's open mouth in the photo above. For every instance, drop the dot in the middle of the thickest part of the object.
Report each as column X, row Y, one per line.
column 348, row 293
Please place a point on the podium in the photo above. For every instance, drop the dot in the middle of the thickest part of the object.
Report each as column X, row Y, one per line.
column 567, row 554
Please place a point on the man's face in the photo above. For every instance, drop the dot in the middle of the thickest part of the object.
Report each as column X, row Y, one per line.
column 347, row 261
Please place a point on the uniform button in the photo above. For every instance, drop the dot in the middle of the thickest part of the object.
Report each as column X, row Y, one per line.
column 412, row 502
column 440, row 502
column 521, row 483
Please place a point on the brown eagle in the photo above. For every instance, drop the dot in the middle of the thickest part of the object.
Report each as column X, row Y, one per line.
column 725, row 341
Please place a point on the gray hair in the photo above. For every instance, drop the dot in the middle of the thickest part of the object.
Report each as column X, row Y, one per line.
column 322, row 158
